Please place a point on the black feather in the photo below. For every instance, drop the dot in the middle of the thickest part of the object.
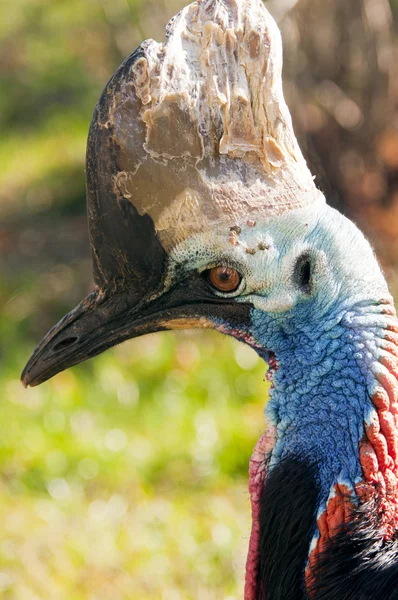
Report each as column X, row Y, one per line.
column 287, row 525
column 358, row 564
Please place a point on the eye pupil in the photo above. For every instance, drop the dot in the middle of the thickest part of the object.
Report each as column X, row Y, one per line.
column 224, row 279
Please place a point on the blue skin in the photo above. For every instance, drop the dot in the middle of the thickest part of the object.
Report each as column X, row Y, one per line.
column 320, row 399
column 321, row 396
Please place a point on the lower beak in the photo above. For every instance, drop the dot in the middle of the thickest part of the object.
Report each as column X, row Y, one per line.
column 99, row 322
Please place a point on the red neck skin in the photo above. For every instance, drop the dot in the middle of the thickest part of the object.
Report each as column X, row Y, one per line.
column 378, row 454
column 257, row 476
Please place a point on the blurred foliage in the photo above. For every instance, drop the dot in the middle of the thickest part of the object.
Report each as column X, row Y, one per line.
column 340, row 81
column 126, row 477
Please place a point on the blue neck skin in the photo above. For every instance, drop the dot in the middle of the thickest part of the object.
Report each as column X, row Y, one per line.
column 320, row 399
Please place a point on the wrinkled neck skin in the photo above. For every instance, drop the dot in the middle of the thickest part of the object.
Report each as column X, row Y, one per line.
column 333, row 408
column 335, row 379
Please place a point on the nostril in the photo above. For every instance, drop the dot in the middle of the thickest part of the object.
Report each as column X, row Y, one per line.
column 65, row 343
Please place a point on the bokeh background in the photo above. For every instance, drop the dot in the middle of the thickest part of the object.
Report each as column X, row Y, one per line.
column 125, row 478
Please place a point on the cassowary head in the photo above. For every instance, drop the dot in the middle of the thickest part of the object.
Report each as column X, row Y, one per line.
column 203, row 213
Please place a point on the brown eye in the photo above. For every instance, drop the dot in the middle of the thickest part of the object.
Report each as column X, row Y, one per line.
column 224, row 279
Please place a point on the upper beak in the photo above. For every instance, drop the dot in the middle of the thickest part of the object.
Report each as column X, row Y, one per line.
column 94, row 325
column 99, row 322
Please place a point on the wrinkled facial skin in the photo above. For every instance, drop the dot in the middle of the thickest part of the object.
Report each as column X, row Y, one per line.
column 304, row 260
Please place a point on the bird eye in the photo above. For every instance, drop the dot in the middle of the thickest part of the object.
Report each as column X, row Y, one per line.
column 224, row 279
column 303, row 272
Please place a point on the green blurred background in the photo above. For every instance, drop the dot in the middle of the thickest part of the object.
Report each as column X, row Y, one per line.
column 126, row 477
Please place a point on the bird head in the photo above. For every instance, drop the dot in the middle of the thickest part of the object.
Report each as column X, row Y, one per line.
column 202, row 211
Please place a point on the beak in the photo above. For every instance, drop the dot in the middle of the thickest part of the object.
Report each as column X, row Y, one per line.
column 99, row 322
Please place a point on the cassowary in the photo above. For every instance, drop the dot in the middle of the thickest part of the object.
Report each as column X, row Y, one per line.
column 203, row 213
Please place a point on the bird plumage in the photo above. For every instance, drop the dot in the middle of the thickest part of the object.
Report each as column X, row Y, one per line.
column 192, row 164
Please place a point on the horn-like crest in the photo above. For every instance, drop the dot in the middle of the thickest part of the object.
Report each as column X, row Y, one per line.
column 195, row 132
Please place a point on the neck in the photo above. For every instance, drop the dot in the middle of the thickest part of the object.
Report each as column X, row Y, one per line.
column 332, row 441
